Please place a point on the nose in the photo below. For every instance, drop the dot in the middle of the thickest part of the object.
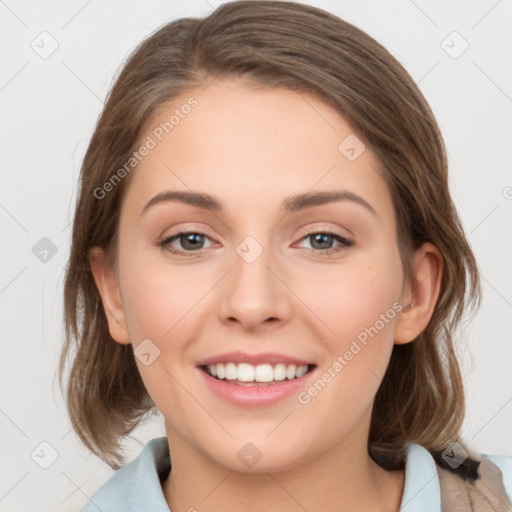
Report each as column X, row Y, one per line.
column 254, row 294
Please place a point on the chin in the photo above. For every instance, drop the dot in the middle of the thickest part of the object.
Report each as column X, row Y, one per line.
column 258, row 457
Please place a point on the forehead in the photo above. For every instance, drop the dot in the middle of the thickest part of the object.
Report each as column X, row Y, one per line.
column 251, row 145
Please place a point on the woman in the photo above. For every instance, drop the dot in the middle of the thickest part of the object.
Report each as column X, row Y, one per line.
column 290, row 376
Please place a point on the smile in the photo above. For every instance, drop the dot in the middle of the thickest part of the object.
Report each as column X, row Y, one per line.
column 246, row 385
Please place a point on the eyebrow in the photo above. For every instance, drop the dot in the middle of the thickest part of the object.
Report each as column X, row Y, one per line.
column 290, row 204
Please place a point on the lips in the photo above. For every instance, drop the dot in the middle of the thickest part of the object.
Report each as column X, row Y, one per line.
column 242, row 371
column 254, row 393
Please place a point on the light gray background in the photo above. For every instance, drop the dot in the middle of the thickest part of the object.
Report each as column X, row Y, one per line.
column 48, row 110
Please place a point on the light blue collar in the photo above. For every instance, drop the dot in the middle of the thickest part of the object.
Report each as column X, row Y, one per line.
column 137, row 485
column 422, row 492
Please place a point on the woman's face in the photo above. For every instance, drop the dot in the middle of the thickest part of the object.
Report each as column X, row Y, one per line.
column 264, row 280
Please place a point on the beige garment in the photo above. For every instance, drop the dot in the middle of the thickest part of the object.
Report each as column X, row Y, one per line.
column 485, row 494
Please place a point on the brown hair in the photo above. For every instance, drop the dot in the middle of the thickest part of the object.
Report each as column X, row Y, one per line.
column 307, row 50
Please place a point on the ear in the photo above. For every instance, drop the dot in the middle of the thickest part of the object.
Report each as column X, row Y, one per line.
column 420, row 296
column 107, row 283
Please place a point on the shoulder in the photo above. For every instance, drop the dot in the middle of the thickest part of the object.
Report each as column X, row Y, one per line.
column 496, row 473
column 456, row 480
column 473, row 481
column 137, row 485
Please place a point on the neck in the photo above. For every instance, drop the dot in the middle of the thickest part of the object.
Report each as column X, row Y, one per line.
column 343, row 478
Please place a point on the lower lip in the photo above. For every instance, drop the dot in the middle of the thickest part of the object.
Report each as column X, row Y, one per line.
column 255, row 395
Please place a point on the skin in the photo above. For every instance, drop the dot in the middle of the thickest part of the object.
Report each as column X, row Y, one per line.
column 252, row 147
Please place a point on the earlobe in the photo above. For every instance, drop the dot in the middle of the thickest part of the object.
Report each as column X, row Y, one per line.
column 108, row 286
column 420, row 296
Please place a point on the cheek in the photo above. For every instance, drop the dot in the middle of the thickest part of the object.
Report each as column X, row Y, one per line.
column 360, row 310
column 162, row 304
column 166, row 304
column 156, row 298
column 354, row 299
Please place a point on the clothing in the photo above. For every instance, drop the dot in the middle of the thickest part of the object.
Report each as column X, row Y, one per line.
column 136, row 487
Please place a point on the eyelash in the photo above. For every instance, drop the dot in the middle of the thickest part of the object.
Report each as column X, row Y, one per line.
column 345, row 243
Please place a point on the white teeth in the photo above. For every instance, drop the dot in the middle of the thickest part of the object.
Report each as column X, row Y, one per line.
column 231, row 372
column 300, row 371
column 280, row 372
column 290, row 371
column 244, row 372
column 221, row 371
column 264, row 373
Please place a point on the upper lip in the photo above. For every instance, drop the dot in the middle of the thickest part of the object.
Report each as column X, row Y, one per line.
column 253, row 359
